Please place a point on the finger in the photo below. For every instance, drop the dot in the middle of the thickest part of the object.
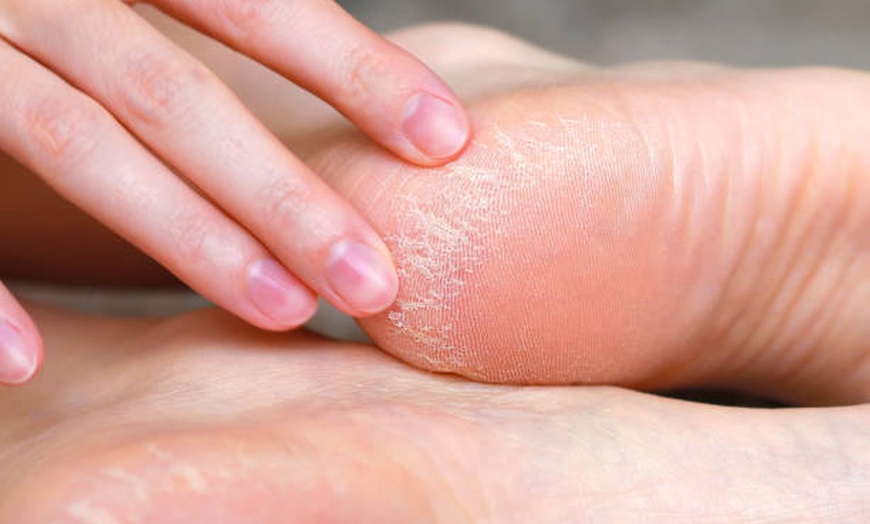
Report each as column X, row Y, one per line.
column 21, row 348
column 84, row 154
column 179, row 109
column 383, row 89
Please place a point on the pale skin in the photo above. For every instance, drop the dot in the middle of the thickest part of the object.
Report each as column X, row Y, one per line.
column 202, row 419
column 126, row 124
column 596, row 246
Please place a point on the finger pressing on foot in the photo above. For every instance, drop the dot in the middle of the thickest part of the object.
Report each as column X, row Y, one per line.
column 383, row 89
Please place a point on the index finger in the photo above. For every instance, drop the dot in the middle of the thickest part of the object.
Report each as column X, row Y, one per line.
column 381, row 88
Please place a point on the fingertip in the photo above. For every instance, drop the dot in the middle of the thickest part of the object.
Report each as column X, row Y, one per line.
column 362, row 276
column 436, row 126
column 19, row 357
column 277, row 295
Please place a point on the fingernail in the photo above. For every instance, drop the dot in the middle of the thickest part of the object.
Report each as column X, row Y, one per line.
column 278, row 295
column 362, row 276
column 436, row 127
column 17, row 361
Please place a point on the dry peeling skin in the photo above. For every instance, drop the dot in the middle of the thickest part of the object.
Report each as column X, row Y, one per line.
column 537, row 255
column 214, row 476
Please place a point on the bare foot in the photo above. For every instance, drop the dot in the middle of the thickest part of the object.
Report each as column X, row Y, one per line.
column 658, row 226
column 201, row 419
column 624, row 269
column 655, row 226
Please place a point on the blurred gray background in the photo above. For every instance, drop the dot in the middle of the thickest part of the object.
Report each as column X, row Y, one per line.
column 742, row 32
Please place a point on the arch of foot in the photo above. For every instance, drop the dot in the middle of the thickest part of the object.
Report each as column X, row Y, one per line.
column 544, row 255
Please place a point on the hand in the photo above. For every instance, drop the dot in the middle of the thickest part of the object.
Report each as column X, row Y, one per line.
column 655, row 226
column 201, row 419
column 128, row 126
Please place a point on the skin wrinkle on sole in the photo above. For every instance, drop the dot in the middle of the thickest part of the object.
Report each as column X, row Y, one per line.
column 443, row 241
